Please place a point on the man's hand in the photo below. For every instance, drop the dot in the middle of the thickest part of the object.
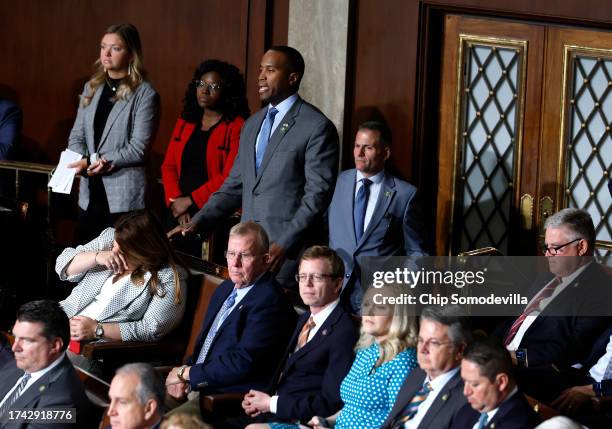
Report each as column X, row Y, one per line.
column 184, row 218
column 175, row 387
column 573, row 400
column 184, row 229
column 277, row 256
column 256, row 402
column 180, row 205
column 82, row 328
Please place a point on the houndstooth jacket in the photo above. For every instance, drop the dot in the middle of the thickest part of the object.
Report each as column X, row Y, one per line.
column 141, row 316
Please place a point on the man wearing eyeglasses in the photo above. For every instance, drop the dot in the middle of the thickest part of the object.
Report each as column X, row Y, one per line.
column 320, row 352
column 246, row 327
column 560, row 323
column 433, row 392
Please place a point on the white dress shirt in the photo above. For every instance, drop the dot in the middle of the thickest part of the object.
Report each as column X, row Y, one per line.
column 95, row 308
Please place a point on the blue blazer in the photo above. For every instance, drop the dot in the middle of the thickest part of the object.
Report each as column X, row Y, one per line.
column 514, row 413
column 59, row 388
column 396, row 227
column 10, row 127
column 309, row 384
column 249, row 344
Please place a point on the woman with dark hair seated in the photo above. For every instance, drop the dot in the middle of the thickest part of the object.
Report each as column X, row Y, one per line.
column 205, row 139
column 130, row 286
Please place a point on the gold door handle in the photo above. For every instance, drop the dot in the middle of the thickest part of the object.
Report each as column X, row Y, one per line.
column 546, row 210
column 526, row 212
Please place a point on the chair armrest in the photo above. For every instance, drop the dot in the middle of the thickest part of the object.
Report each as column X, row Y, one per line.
column 133, row 351
column 222, row 404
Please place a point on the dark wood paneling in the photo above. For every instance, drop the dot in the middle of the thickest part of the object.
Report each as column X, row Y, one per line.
column 49, row 48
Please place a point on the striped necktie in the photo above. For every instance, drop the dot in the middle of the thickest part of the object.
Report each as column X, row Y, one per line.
column 534, row 306
column 303, row 337
column 413, row 406
column 219, row 319
column 15, row 394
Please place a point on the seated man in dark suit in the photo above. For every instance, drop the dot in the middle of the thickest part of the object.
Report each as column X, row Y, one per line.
column 41, row 377
column 433, row 393
column 320, row 352
column 563, row 318
column 136, row 398
column 246, row 328
column 494, row 399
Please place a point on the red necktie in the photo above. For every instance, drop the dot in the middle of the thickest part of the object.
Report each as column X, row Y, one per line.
column 535, row 305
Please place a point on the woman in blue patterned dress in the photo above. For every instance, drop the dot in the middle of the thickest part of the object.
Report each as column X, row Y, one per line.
column 385, row 356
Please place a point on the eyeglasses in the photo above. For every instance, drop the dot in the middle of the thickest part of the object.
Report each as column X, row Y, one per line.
column 246, row 257
column 432, row 343
column 212, row 87
column 555, row 250
column 317, row 278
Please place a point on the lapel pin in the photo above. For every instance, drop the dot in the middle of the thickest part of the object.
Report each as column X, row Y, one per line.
column 387, row 194
column 240, row 308
column 284, row 128
column 492, row 426
column 324, row 332
column 444, row 397
column 41, row 388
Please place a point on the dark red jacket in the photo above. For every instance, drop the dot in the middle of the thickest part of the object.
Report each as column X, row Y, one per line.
column 221, row 150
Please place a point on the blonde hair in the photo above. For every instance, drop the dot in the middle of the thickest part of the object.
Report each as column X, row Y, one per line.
column 136, row 72
column 402, row 332
column 183, row 421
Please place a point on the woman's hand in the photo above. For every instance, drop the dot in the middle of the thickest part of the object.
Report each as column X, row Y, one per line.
column 180, row 205
column 82, row 328
column 79, row 166
column 114, row 261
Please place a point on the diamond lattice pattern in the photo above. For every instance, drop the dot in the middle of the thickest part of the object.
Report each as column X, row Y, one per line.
column 488, row 146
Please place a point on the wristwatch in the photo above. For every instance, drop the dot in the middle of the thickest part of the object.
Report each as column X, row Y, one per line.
column 99, row 330
column 180, row 373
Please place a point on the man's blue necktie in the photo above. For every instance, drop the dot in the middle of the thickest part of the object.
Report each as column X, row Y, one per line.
column 219, row 319
column 264, row 137
column 482, row 421
column 361, row 204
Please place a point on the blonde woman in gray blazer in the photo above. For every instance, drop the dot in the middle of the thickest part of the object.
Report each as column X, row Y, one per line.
column 130, row 287
column 113, row 130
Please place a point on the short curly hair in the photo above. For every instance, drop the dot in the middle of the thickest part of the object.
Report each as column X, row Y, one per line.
column 232, row 104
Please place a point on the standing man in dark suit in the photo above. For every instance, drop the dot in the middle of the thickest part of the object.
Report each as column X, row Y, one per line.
column 246, row 328
column 41, row 377
column 494, row 399
column 10, row 127
column 433, row 393
column 385, row 213
column 564, row 316
column 136, row 398
column 284, row 174
column 320, row 352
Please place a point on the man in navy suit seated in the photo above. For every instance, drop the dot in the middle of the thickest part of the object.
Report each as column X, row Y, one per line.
column 247, row 326
column 494, row 400
column 320, row 352
column 41, row 376
column 372, row 212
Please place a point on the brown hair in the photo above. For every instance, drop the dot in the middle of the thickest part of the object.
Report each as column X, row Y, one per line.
column 142, row 240
column 324, row 252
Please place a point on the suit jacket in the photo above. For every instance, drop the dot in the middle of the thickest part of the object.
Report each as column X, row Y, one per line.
column 443, row 408
column 309, row 384
column 565, row 331
column 125, row 141
column 295, row 182
column 59, row 388
column 249, row 344
column 10, row 127
column 514, row 413
column 140, row 315
column 396, row 227
column 221, row 150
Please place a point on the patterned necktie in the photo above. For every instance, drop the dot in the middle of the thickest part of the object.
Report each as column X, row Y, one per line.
column 264, row 137
column 361, row 204
column 303, row 338
column 608, row 371
column 535, row 305
column 482, row 421
column 15, row 394
column 411, row 409
column 221, row 316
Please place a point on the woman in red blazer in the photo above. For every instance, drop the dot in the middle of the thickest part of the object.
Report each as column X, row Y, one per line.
column 205, row 139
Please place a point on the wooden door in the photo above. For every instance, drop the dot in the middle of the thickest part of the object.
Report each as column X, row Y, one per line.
column 506, row 157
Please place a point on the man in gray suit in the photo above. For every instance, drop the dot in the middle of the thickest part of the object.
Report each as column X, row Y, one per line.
column 433, row 393
column 284, row 174
column 386, row 217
